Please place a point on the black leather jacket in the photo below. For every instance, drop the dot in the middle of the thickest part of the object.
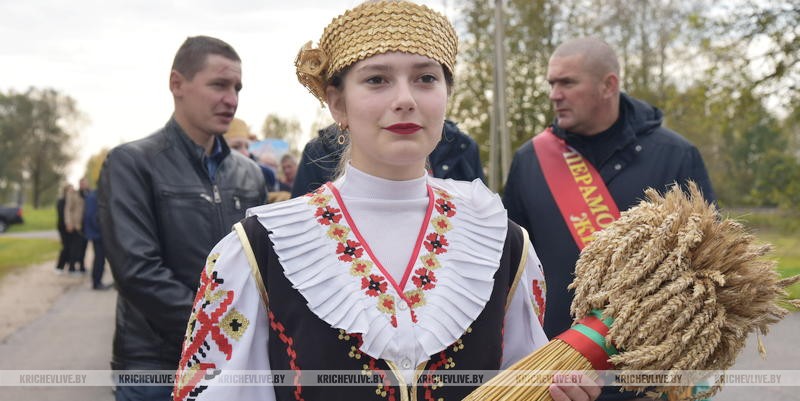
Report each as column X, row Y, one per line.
column 160, row 215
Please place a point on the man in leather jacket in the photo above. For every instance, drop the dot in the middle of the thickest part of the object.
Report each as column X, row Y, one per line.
column 165, row 200
column 456, row 156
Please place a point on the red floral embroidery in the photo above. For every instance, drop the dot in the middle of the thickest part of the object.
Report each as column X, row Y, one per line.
column 442, row 194
column 375, row 285
column 388, row 303
column 338, row 232
column 445, row 207
column 430, row 261
column 192, row 368
column 360, row 268
column 433, row 366
column 424, row 279
column 385, row 387
column 415, row 298
column 349, row 251
column 436, row 243
column 327, row 215
column 538, row 297
column 209, row 325
column 441, row 224
column 291, row 352
column 189, row 378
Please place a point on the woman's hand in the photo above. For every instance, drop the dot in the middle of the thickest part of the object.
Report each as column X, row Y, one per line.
column 575, row 386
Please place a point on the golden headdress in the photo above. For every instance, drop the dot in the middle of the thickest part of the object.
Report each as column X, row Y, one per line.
column 375, row 28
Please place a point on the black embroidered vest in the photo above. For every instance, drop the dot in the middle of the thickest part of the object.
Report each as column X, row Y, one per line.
column 299, row 340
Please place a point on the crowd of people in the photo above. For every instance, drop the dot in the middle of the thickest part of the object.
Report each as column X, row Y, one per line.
column 381, row 249
column 78, row 223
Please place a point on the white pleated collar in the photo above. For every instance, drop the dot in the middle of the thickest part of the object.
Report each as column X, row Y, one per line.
column 444, row 290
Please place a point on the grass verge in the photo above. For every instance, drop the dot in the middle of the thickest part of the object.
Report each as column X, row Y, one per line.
column 35, row 220
column 779, row 229
column 22, row 252
column 787, row 252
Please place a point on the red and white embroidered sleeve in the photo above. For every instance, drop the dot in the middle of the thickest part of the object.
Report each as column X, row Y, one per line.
column 538, row 287
column 522, row 331
column 227, row 330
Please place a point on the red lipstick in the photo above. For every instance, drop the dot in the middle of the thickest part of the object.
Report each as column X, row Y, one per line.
column 404, row 128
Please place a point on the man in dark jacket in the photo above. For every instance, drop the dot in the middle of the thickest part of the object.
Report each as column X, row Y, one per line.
column 619, row 136
column 165, row 201
column 456, row 156
column 91, row 229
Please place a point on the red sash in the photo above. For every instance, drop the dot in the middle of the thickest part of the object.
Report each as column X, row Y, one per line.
column 579, row 191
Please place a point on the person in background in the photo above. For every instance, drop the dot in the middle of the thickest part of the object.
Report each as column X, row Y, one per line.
column 64, row 256
column 288, row 171
column 165, row 200
column 277, row 190
column 268, row 161
column 91, row 229
column 456, row 156
column 82, row 241
column 386, row 270
column 238, row 137
column 600, row 154
column 74, row 207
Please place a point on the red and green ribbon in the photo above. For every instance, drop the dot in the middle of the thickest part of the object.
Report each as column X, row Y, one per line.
column 588, row 338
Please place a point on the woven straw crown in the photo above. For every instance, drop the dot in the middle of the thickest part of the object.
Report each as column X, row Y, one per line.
column 376, row 28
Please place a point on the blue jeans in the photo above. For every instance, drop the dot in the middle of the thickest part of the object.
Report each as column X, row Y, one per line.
column 143, row 393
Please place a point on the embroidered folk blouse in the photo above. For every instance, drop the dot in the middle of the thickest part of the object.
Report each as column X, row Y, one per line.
column 408, row 265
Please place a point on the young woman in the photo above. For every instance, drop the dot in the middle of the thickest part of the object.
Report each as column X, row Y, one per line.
column 386, row 274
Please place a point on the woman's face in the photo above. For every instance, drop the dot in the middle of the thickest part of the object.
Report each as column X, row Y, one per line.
column 394, row 105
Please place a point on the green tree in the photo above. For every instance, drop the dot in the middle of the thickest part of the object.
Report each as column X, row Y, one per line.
column 651, row 37
column 13, row 108
column 743, row 145
column 764, row 37
column 38, row 127
column 528, row 33
column 279, row 127
column 94, row 165
column 692, row 59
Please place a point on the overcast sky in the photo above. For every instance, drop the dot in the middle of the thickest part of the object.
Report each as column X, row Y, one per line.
column 114, row 57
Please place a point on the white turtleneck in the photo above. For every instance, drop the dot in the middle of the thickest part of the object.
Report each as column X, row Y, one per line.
column 388, row 214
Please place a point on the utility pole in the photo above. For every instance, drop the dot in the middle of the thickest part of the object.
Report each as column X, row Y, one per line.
column 499, row 135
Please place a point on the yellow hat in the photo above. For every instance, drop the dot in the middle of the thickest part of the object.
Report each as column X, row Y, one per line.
column 237, row 129
column 375, row 28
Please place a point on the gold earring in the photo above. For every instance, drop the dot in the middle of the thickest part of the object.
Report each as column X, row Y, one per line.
column 341, row 139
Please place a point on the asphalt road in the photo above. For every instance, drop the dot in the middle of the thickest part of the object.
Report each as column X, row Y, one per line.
column 75, row 334
column 783, row 353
